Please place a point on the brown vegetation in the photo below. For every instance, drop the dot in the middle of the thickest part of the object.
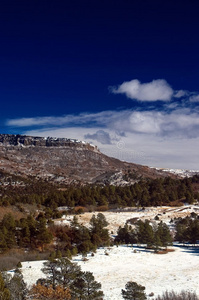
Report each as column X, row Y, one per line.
column 39, row 291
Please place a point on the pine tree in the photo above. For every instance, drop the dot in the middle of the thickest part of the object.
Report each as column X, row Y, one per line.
column 164, row 234
column 43, row 234
column 99, row 234
column 4, row 292
column 86, row 288
column 134, row 291
column 17, row 286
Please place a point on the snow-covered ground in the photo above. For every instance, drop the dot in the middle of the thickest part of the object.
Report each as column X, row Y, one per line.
column 157, row 272
column 180, row 172
column 119, row 218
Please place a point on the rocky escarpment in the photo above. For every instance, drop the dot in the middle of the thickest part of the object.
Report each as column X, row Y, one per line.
column 24, row 140
column 66, row 161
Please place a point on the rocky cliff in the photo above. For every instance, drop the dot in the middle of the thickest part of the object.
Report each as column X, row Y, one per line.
column 66, row 161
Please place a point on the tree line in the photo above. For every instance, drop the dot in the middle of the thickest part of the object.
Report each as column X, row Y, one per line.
column 30, row 233
column 143, row 233
column 146, row 192
column 187, row 229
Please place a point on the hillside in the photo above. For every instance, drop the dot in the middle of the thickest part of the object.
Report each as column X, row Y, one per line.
column 67, row 161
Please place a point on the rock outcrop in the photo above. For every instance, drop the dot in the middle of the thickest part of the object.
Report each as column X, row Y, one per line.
column 66, row 161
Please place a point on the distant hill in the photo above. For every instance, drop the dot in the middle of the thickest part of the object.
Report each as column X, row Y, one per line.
column 67, row 161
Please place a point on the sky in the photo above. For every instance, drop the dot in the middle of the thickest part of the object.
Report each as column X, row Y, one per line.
column 123, row 75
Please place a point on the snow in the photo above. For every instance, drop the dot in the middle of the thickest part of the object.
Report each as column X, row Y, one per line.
column 177, row 270
column 157, row 272
column 119, row 218
column 181, row 172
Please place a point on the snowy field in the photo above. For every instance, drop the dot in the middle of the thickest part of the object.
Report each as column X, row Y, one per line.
column 116, row 219
column 157, row 272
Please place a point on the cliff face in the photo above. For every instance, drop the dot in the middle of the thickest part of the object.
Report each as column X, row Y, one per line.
column 65, row 161
column 23, row 140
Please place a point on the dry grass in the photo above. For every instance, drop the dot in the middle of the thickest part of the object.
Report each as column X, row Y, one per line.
column 12, row 210
column 10, row 259
column 164, row 251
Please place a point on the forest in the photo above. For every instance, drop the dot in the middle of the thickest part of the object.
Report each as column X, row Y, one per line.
column 146, row 192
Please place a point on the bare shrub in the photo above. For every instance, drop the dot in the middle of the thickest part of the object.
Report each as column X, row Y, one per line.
column 161, row 252
column 164, row 251
column 183, row 295
column 84, row 259
column 8, row 263
column 10, row 259
column 102, row 208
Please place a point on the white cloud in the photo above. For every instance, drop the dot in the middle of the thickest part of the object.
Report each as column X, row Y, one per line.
column 161, row 138
column 101, row 136
column 178, row 123
column 152, row 91
column 180, row 94
column 80, row 119
column 194, row 98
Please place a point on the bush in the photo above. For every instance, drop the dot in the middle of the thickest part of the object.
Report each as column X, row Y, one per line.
column 19, row 265
column 183, row 295
column 134, row 291
column 102, row 208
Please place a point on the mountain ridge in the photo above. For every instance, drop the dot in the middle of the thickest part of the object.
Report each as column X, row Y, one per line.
column 67, row 161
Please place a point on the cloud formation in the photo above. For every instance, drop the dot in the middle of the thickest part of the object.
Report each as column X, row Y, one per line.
column 101, row 136
column 149, row 134
column 179, row 122
column 152, row 91
column 194, row 98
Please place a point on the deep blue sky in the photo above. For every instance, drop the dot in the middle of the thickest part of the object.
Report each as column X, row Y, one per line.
column 61, row 57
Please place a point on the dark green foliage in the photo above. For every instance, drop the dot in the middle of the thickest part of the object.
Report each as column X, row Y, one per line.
column 187, row 230
column 134, row 291
column 43, row 234
column 162, row 233
column 86, row 288
column 99, row 234
column 146, row 192
column 27, row 232
column 16, row 286
column 126, row 235
column 4, row 292
column 63, row 272
column 144, row 233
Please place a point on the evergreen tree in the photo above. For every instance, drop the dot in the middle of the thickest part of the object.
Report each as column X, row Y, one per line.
column 145, row 233
column 3, row 244
column 164, row 234
column 67, row 272
column 43, row 234
column 134, row 291
column 86, row 288
column 4, row 292
column 99, row 234
column 17, row 286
